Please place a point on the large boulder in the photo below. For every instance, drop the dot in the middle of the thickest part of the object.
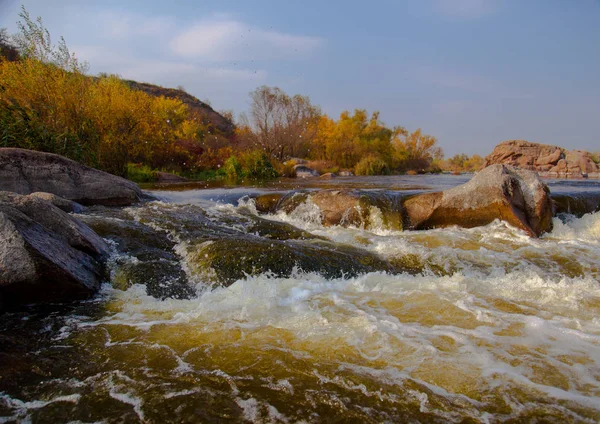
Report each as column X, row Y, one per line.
column 45, row 253
column 502, row 192
column 547, row 160
column 27, row 171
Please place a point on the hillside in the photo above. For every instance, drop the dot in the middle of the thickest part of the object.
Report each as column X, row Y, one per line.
column 208, row 115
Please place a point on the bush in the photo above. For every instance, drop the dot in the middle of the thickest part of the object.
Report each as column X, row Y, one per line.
column 232, row 170
column 257, row 166
column 141, row 173
column 371, row 165
column 323, row 166
column 286, row 169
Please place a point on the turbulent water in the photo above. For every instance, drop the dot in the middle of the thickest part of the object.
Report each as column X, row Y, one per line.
column 486, row 325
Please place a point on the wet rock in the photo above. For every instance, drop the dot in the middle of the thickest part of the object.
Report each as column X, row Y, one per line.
column 227, row 260
column 148, row 255
column 27, row 171
column 223, row 249
column 350, row 207
column 46, row 254
column 66, row 205
column 267, row 203
column 502, row 192
column 303, row 171
column 577, row 204
column 346, row 174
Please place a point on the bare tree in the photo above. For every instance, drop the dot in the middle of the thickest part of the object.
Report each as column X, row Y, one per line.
column 281, row 125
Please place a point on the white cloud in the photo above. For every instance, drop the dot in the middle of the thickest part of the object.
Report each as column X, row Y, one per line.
column 227, row 39
column 465, row 9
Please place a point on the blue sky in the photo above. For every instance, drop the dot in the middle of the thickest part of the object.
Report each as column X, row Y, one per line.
column 470, row 72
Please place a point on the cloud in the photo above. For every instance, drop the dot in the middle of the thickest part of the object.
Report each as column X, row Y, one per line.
column 120, row 26
column 227, row 39
column 465, row 9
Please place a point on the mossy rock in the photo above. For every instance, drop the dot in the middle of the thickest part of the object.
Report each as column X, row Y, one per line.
column 163, row 279
column 227, row 260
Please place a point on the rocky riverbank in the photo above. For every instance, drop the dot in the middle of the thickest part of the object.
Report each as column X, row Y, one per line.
column 52, row 248
column 548, row 161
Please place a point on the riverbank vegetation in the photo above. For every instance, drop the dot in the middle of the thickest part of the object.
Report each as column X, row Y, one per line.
column 49, row 103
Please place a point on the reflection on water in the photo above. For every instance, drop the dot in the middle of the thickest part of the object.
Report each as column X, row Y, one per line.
column 491, row 327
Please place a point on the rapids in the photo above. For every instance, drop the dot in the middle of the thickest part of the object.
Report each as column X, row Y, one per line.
column 468, row 325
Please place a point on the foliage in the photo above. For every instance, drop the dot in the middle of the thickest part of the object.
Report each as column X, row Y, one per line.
column 141, row 173
column 286, row 169
column 371, row 165
column 463, row 163
column 279, row 125
column 256, row 165
column 323, row 166
column 48, row 103
column 233, row 169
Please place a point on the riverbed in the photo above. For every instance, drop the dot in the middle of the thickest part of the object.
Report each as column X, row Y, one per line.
column 474, row 325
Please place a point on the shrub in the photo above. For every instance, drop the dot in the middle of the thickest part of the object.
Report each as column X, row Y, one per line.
column 232, row 169
column 323, row 166
column 141, row 173
column 286, row 169
column 371, row 165
column 257, row 166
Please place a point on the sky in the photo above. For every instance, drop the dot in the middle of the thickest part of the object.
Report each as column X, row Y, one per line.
column 472, row 73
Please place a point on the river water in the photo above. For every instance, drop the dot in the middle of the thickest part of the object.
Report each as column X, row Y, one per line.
column 484, row 324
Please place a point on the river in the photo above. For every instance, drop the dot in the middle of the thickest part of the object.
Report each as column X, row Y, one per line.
column 479, row 325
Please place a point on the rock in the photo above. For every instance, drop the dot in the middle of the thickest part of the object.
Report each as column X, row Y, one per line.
column 227, row 260
column 61, row 203
column 547, row 160
column 328, row 176
column 27, row 171
column 46, row 254
column 502, row 192
column 148, row 259
column 577, row 204
column 165, row 177
column 267, row 203
column 303, row 171
column 349, row 207
column 346, row 174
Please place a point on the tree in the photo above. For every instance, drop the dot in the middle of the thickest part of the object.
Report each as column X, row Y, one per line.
column 418, row 150
column 282, row 126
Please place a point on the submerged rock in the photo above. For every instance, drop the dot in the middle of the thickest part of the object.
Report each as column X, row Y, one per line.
column 344, row 207
column 502, row 192
column 27, row 171
column 222, row 248
column 45, row 254
column 227, row 260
